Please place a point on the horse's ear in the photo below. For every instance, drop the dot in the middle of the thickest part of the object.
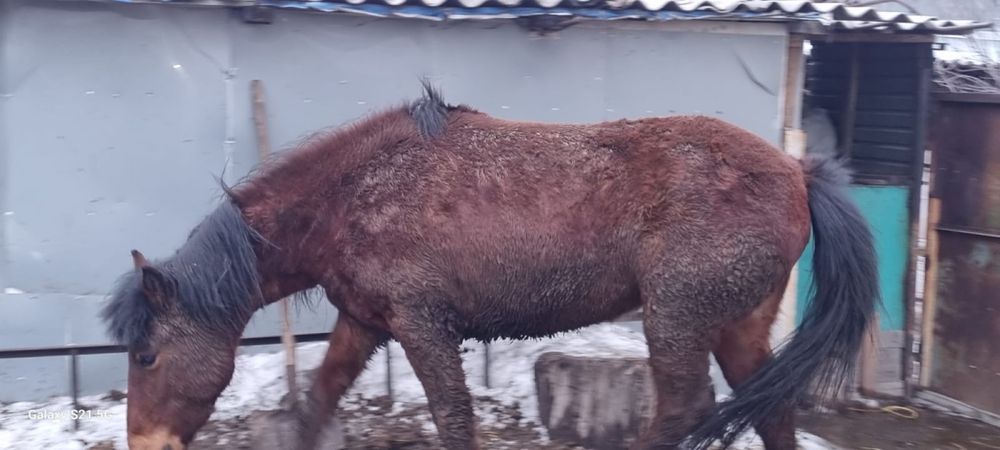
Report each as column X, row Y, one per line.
column 139, row 260
column 154, row 284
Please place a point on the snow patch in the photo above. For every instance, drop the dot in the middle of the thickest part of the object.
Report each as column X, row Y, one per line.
column 258, row 384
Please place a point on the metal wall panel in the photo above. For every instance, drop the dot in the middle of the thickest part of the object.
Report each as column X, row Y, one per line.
column 965, row 359
column 117, row 118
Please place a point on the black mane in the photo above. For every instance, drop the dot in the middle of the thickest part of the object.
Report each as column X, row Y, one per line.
column 430, row 111
column 214, row 275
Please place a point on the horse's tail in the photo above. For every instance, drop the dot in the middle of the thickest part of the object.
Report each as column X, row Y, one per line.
column 824, row 349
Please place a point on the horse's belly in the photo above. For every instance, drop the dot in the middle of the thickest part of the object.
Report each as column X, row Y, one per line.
column 533, row 301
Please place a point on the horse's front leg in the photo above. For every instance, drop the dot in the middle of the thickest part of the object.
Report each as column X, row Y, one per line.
column 433, row 349
column 351, row 345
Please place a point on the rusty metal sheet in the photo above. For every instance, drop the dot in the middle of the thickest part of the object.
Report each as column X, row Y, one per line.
column 966, row 354
column 966, row 136
column 966, row 363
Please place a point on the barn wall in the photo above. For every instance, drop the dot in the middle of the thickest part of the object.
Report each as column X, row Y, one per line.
column 885, row 209
column 117, row 117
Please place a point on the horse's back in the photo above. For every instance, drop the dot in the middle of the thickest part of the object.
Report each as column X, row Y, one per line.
column 528, row 229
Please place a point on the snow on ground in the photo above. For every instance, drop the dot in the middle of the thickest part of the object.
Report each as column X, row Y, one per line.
column 258, row 384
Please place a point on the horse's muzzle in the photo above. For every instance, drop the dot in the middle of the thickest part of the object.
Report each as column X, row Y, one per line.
column 157, row 440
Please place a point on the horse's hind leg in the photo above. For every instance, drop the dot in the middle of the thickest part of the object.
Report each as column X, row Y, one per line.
column 687, row 298
column 743, row 348
column 433, row 348
column 678, row 356
column 680, row 331
column 351, row 345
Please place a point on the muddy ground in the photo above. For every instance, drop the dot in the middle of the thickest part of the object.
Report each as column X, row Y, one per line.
column 373, row 425
column 876, row 429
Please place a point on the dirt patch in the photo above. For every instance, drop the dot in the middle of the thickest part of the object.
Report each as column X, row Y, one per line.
column 858, row 428
column 376, row 425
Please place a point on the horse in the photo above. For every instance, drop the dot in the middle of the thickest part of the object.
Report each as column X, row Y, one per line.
column 430, row 223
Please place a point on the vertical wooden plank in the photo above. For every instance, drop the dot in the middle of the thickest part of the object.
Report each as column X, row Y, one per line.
column 264, row 149
column 925, row 67
column 849, row 111
column 260, row 120
column 930, row 290
column 794, row 82
column 793, row 143
column 868, row 367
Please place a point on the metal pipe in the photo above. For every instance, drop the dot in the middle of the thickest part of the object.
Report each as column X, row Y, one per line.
column 486, row 365
column 41, row 352
column 967, row 232
column 105, row 349
column 388, row 372
column 74, row 387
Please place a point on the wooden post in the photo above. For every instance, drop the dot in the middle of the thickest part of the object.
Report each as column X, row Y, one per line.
column 849, row 111
column 793, row 142
column 919, row 195
column 930, row 289
column 264, row 149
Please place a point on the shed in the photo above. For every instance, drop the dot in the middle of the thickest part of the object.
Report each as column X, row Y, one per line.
column 116, row 114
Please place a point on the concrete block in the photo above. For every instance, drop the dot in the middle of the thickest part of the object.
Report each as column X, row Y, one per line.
column 599, row 403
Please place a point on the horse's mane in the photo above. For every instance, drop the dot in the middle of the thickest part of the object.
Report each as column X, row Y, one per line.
column 215, row 273
column 337, row 150
column 214, row 276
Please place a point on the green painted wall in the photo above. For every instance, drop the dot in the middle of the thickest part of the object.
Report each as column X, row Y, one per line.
column 885, row 207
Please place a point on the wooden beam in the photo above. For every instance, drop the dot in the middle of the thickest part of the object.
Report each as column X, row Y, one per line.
column 849, row 111
column 264, row 150
column 817, row 32
column 930, row 289
column 917, row 248
column 793, row 142
column 868, row 364
column 794, row 82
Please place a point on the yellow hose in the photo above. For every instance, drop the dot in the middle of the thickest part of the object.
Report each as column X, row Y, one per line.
column 901, row 411
column 896, row 410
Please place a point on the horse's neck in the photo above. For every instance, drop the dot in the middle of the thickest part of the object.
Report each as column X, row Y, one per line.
column 281, row 252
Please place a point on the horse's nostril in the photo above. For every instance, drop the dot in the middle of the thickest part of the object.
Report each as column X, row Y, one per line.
column 167, row 447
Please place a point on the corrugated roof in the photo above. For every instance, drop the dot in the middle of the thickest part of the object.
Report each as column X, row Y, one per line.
column 832, row 16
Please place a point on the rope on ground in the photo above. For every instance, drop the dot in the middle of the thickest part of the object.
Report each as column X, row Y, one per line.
column 896, row 410
column 901, row 411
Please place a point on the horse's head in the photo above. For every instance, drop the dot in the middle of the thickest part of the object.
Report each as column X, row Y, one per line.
column 178, row 364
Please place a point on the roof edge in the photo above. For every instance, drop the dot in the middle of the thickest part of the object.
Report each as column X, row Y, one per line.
column 834, row 18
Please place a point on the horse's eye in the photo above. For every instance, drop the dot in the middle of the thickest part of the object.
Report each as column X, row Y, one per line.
column 146, row 359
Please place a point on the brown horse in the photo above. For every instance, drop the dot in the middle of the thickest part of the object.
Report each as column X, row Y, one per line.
column 432, row 223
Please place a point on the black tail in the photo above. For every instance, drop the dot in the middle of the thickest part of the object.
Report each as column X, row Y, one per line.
column 824, row 349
